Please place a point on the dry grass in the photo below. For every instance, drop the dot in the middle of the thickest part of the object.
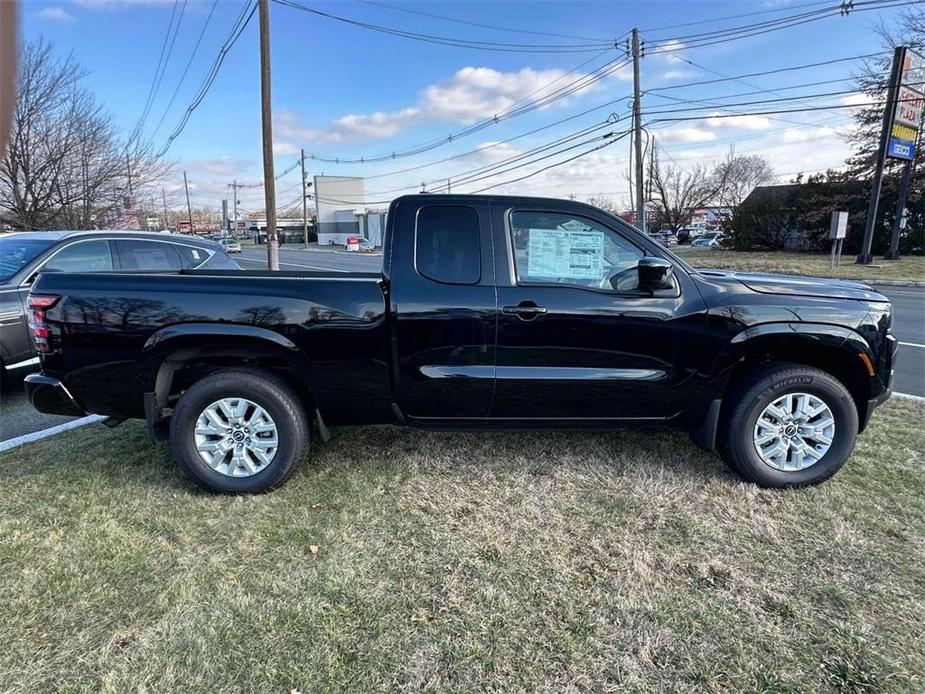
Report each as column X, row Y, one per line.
column 461, row 562
column 911, row 268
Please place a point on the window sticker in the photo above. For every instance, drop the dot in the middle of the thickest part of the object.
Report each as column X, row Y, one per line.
column 561, row 254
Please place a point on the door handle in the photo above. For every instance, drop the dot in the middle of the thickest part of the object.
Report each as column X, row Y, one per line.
column 525, row 310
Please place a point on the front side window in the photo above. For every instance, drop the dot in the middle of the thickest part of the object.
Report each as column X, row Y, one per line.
column 447, row 244
column 147, row 255
column 83, row 256
column 559, row 248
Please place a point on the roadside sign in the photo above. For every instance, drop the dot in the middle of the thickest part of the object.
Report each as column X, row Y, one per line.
column 838, row 229
column 906, row 118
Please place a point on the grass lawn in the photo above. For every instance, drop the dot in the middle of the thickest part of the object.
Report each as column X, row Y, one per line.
column 907, row 268
column 405, row 560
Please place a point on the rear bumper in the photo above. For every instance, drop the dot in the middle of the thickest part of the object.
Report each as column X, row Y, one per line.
column 49, row 395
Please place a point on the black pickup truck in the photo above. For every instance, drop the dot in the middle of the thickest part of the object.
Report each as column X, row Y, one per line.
column 489, row 312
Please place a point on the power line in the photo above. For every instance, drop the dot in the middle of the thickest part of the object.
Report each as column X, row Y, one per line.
column 561, row 93
column 157, row 70
column 783, row 8
column 556, row 164
column 488, row 146
column 185, row 69
column 482, row 26
column 236, row 31
column 452, row 41
column 736, row 33
column 774, row 71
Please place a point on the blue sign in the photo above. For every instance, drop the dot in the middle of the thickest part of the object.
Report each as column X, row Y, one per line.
column 900, row 149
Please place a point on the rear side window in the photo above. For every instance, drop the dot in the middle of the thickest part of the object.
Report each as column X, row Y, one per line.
column 147, row 255
column 447, row 244
column 82, row 256
column 220, row 261
column 192, row 257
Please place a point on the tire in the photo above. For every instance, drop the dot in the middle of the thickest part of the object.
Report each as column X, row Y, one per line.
column 766, row 386
column 282, row 409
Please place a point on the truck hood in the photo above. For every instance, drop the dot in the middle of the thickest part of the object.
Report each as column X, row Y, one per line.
column 797, row 285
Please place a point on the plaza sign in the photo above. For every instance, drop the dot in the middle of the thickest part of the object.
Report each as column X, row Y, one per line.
column 909, row 104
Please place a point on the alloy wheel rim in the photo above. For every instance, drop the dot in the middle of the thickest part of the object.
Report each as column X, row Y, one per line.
column 236, row 437
column 794, row 432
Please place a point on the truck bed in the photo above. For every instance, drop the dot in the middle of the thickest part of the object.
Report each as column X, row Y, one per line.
column 110, row 330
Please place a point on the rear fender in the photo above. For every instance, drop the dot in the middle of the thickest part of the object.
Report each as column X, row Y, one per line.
column 171, row 348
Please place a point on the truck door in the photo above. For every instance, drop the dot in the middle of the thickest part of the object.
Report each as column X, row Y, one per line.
column 576, row 338
column 440, row 266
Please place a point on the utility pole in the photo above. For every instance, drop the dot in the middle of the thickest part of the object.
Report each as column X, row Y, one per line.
column 269, row 180
column 304, row 204
column 164, row 200
column 637, row 134
column 189, row 207
column 448, row 190
column 234, row 193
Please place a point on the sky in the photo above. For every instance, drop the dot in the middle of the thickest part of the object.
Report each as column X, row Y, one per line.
column 343, row 91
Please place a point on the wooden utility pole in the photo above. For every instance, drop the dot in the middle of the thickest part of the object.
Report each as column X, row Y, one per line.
column 234, row 194
column 164, row 200
column 269, row 180
column 189, row 208
column 637, row 135
column 304, row 204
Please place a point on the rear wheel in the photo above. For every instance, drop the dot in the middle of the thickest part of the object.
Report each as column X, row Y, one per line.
column 789, row 425
column 239, row 431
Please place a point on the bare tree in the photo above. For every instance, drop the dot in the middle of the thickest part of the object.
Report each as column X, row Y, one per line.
column 65, row 166
column 677, row 192
column 604, row 203
column 739, row 175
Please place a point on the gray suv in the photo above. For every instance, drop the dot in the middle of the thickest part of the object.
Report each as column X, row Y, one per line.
column 24, row 255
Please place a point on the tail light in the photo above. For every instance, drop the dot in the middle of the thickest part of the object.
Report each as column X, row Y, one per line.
column 38, row 304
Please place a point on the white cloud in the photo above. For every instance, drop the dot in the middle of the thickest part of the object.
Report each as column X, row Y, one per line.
column 808, row 134
column 667, row 51
column 471, row 94
column 743, row 122
column 55, row 14
column 285, row 148
column 685, row 135
column 858, row 99
column 679, row 74
column 222, row 166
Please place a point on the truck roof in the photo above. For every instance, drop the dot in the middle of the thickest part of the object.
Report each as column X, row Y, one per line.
column 465, row 197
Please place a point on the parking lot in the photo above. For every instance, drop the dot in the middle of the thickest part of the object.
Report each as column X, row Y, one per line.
column 17, row 417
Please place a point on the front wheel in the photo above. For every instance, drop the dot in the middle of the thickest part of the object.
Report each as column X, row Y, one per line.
column 239, row 431
column 789, row 425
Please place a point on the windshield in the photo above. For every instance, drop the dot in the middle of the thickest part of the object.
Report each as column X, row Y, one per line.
column 17, row 253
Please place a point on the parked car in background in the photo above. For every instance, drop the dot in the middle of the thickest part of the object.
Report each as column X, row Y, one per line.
column 709, row 240
column 360, row 245
column 664, row 237
column 488, row 312
column 24, row 255
column 230, row 244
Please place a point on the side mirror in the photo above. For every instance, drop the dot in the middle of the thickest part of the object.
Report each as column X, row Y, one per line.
column 655, row 273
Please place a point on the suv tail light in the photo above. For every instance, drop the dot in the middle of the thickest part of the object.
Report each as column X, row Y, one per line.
column 38, row 304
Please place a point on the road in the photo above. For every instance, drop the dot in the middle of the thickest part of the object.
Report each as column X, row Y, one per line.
column 17, row 417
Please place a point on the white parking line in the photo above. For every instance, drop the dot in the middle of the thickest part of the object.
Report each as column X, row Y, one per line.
column 45, row 433
column 307, row 267
column 912, row 344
